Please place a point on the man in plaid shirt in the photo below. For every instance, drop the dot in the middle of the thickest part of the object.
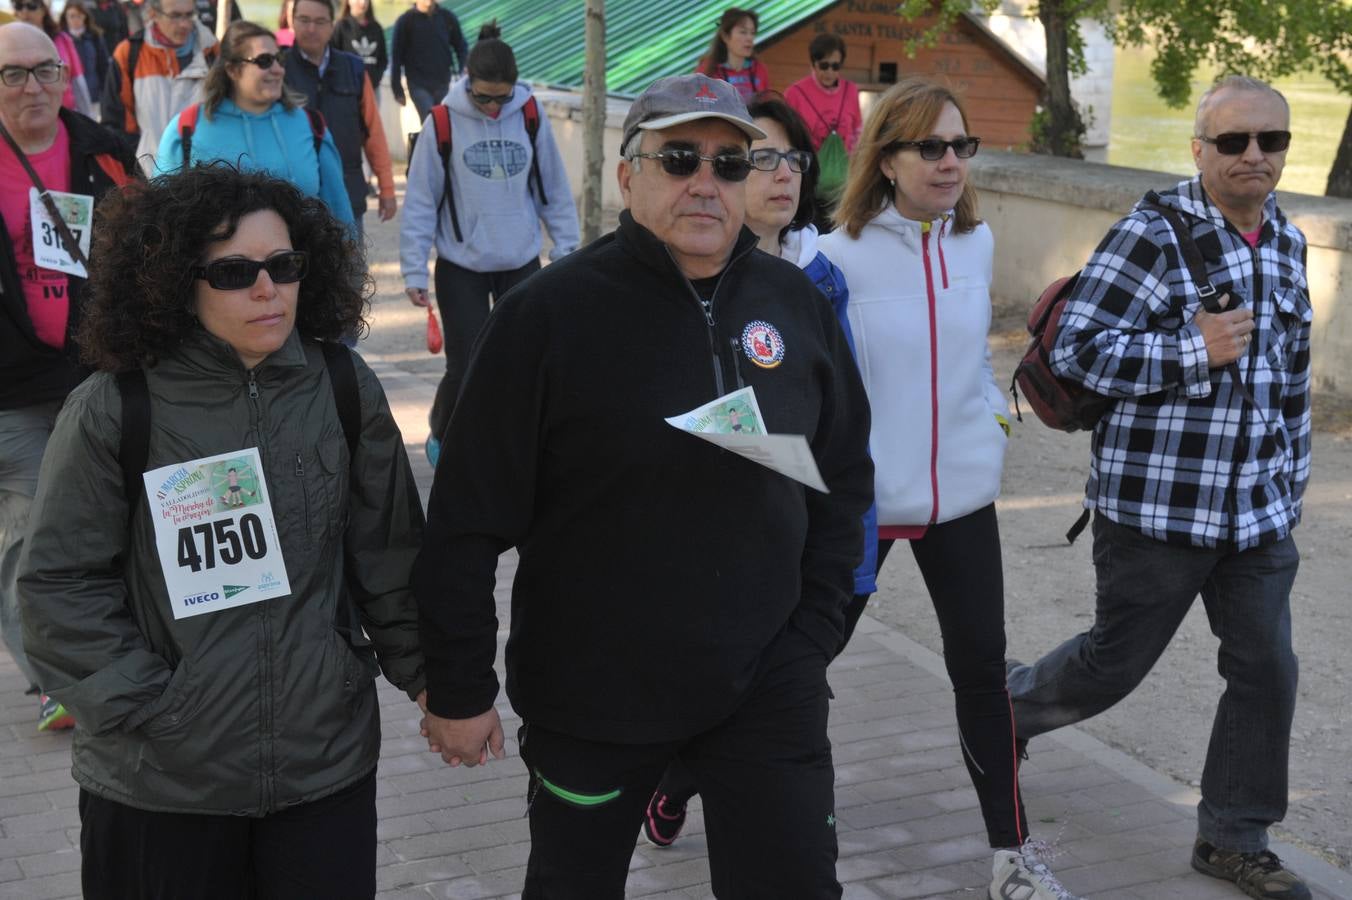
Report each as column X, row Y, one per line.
column 1199, row 468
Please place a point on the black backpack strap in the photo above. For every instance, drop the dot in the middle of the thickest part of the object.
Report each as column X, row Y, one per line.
column 346, row 394
column 134, row 446
column 1192, row 258
column 134, row 45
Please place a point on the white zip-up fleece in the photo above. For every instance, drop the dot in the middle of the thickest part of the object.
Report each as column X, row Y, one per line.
column 499, row 214
column 920, row 310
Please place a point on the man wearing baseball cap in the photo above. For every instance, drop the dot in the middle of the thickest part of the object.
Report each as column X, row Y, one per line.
column 671, row 598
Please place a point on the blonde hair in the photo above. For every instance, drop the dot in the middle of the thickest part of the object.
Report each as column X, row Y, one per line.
column 218, row 85
column 906, row 112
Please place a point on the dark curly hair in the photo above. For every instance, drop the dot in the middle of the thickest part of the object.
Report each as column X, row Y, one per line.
column 139, row 297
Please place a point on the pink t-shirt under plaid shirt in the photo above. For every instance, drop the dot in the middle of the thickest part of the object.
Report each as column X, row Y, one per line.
column 45, row 290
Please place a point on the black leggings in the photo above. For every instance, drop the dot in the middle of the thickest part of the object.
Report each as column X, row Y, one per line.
column 465, row 298
column 960, row 562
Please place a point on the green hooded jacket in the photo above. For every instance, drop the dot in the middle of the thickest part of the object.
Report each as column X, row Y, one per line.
column 249, row 709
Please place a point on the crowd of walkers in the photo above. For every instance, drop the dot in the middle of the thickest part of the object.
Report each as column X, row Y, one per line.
column 211, row 542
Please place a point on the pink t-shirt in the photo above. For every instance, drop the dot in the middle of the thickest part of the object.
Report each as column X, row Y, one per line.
column 43, row 289
column 65, row 48
column 821, row 110
column 1251, row 237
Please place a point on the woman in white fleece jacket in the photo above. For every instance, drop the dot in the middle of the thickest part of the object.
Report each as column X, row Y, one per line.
column 918, row 262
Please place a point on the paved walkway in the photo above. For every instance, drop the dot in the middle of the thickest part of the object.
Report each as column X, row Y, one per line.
column 907, row 817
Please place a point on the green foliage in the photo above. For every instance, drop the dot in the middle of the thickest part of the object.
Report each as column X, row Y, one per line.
column 1254, row 37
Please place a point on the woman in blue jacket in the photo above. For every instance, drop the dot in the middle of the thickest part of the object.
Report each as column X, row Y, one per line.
column 249, row 119
column 780, row 205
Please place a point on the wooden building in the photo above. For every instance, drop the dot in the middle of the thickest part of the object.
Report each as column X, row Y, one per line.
column 999, row 89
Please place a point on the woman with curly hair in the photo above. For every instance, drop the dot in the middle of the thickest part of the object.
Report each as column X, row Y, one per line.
column 215, row 627
column 251, row 120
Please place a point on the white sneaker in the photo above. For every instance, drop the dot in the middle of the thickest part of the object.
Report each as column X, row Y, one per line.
column 1022, row 875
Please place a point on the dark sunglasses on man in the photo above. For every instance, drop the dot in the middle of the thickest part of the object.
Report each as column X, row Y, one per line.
column 21, row 6
column 824, row 65
column 933, row 149
column 235, row 273
column 684, row 163
column 1233, row 143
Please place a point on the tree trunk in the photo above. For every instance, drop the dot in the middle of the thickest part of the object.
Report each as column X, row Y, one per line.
column 594, row 120
column 1340, row 176
column 1063, row 128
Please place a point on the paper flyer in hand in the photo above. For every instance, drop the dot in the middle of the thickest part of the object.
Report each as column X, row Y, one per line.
column 734, row 422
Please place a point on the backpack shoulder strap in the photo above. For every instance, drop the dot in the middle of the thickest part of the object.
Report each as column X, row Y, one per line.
column 531, row 111
column 134, row 44
column 113, row 169
column 441, row 126
column 187, row 124
column 317, row 126
column 134, row 446
column 346, row 393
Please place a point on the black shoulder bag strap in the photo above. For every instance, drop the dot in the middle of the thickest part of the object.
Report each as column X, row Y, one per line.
column 1192, row 258
column 62, row 229
column 133, row 451
column 134, row 448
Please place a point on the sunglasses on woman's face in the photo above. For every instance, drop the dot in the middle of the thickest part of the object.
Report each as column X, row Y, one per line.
column 1233, row 143
column 264, row 61
column 499, row 99
column 235, row 273
column 933, row 149
column 824, row 65
column 684, row 163
column 20, row 6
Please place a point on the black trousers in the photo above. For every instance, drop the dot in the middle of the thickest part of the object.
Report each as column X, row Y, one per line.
column 765, row 774
column 465, row 298
column 960, row 562
column 322, row 849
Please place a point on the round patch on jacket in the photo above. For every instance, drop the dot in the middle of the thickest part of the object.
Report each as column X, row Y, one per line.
column 762, row 344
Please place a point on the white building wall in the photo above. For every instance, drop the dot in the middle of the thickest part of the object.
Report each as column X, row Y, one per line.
column 1014, row 23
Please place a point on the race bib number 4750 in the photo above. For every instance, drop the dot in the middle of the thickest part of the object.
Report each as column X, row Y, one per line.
column 215, row 533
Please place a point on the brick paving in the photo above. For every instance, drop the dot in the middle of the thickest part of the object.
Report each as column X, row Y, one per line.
column 907, row 817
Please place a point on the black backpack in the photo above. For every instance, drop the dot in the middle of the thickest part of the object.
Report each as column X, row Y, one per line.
column 133, row 451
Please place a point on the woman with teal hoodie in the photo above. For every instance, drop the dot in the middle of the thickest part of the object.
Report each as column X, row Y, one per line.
column 249, row 119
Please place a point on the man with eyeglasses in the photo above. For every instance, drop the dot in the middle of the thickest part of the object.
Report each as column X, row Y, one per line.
column 671, row 598
column 156, row 74
column 40, row 290
column 335, row 83
column 1198, row 471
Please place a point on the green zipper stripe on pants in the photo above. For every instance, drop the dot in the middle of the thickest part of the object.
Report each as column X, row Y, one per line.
column 574, row 797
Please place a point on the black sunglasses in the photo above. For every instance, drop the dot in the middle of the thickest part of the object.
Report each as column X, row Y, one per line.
column 767, row 160
column 499, row 99
column 264, row 60
column 1233, row 143
column 684, row 163
column 234, row 273
column 20, row 6
column 824, row 65
column 934, row 149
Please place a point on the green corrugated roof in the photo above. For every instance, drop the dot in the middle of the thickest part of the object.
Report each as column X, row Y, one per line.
column 645, row 39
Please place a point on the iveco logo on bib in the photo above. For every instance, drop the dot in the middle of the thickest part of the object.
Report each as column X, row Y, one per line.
column 197, row 599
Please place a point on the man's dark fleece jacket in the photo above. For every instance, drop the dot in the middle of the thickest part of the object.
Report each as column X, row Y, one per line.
column 655, row 568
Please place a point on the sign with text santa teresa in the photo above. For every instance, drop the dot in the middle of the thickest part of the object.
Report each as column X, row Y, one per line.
column 215, row 533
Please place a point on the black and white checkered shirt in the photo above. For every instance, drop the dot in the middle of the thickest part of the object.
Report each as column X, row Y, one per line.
column 1182, row 456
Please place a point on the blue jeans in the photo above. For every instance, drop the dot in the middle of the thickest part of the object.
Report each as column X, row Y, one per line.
column 425, row 97
column 1145, row 588
column 23, row 439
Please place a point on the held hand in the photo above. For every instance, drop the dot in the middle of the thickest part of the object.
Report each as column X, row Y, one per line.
column 417, row 296
column 465, row 741
column 388, row 206
column 1226, row 334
